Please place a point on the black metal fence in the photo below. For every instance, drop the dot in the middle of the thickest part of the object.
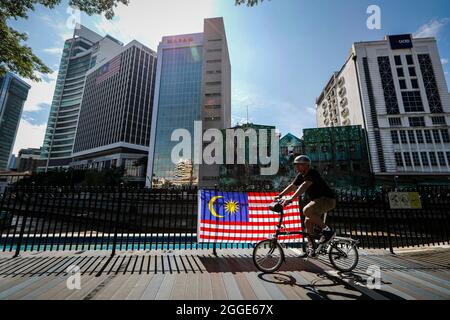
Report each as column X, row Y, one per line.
column 64, row 218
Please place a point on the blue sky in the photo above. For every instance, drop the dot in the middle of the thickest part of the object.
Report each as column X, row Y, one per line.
column 282, row 52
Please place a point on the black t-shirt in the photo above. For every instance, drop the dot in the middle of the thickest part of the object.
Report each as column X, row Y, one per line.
column 319, row 187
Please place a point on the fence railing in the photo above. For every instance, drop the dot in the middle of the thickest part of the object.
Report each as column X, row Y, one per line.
column 65, row 218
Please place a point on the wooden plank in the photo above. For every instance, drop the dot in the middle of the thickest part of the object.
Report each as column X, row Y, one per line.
column 231, row 287
column 259, row 290
column 205, row 290
column 244, row 287
column 181, row 290
column 47, row 284
column 167, row 286
column 218, row 288
column 138, row 290
column 152, row 289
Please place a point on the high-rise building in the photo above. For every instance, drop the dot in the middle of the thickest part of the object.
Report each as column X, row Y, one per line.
column 193, row 83
column 116, row 112
column 13, row 94
column 396, row 90
column 83, row 51
column 29, row 160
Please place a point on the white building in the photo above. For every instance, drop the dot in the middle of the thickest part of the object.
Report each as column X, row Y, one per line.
column 395, row 89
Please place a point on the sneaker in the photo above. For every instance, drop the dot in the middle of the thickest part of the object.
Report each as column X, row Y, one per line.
column 327, row 236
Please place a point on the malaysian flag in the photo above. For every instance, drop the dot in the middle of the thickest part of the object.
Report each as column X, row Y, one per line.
column 241, row 217
column 108, row 69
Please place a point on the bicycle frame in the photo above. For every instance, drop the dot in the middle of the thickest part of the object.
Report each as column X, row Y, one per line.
column 311, row 238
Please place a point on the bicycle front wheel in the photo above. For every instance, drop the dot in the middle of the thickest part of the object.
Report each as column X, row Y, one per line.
column 268, row 256
column 344, row 256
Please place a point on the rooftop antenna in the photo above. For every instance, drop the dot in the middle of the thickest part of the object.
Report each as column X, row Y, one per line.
column 247, row 116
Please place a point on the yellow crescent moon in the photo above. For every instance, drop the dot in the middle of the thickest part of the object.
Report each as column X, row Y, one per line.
column 211, row 207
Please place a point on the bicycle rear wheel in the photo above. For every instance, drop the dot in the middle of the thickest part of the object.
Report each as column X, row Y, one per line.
column 344, row 256
column 268, row 256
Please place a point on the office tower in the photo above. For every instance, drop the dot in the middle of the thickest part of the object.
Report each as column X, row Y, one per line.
column 396, row 90
column 193, row 83
column 83, row 51
column 13, row 94
column 116, row 112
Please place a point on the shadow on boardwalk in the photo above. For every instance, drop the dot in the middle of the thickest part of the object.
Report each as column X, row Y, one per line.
column 192, row 275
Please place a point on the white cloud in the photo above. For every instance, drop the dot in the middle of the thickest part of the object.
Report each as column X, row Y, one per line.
column 40, row 92
column 444, row 61
column 431, row 29
column 29, row 136
column 54, row 51
column 147, row 22
column 60, row 26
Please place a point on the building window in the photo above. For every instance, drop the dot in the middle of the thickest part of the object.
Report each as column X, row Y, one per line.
column 425, row 161
column 448, row 156
column 407, row 157
column 419, row 135
column 395, row 122
column 409, row 59
column 429, row 79
column 436, row 136
column 403, row 137
column 215, row 83
column 214, row 107
column 441, row 157
column 416, row 122
column 400, row 73
column 213, row 61
column 412, row 137
column 414, row 83
column 437, row 121
column 412, row 101
column 412, row 72
column 428, row 136
column 445, row 136
column 433, row 159
column 398, row 60
column 416, row 159
column 399, row 159
column 403, row 84
column 394, row 136
column 390, row 95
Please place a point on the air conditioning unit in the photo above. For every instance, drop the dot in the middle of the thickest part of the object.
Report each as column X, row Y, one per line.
column 345, row 112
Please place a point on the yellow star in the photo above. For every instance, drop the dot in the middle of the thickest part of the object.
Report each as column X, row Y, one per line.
column 231, row 207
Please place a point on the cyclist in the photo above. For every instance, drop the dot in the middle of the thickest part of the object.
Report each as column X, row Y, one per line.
column 322, row 197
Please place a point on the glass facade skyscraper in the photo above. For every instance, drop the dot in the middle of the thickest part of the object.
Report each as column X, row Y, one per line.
column 13, row 94
column 81, row 53
column 193, row 83
column 179, row 102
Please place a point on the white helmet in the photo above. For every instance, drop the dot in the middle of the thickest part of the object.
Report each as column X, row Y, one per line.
column 302, row 160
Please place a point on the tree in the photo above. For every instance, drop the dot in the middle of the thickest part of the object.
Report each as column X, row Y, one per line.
column 15, row 55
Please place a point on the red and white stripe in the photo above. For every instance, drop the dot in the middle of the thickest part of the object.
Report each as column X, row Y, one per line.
column 114, row 67
column 262, row 223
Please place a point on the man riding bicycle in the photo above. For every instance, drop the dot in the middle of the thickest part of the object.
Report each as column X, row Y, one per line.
column 322, row 197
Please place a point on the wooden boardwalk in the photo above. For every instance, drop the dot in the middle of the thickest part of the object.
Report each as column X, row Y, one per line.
column 198, row 275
